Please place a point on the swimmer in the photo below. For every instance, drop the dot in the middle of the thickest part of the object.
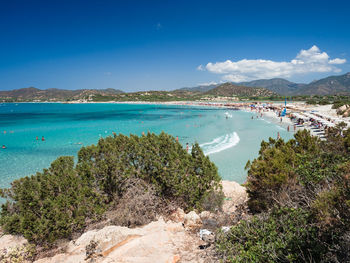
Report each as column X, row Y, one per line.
column 37, row 138
column 143, row 133
column 3, row 146
column 252, row 117
column 288, row 128
column 42, row 138
column 177, row 138
column 278, row 136
column 187, row 146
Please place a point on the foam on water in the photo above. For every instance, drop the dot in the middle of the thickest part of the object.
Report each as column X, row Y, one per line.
column 220, row 144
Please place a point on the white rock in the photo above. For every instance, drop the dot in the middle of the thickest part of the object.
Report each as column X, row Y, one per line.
column 156, row 242
column 178, row 215
column 9, row 242
column 235, row 195
column 192, row 220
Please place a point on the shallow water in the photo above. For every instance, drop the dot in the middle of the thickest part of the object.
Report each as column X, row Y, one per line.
column 230, row 142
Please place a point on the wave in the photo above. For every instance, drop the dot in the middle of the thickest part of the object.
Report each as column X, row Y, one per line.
column 220, row 144
column 228, row 115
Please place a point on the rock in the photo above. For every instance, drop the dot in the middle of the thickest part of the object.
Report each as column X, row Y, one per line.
column 192, row 221
column 343, row 108
column 206, row 235
column 207, row 215
column 9, row 242
column 177, row 216
column 235, row 195
column 159, row 241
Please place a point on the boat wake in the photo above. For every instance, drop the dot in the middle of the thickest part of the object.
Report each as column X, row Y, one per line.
column 220, row 144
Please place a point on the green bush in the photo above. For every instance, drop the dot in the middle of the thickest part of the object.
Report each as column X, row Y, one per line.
column 301, row 188
column 275, row 167
column 284, row 235
column 158, row 160
column 50, row 205
column 63, row 199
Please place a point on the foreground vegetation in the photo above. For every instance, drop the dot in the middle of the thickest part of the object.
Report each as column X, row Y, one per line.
column 299, row 194
column 135, row 177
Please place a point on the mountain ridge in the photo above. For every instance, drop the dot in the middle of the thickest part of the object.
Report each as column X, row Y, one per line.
column 32, row 93
column 338, row 84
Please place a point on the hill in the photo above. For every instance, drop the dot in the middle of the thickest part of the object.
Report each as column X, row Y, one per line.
column 278, row 85
column 328, row 86
column 229, row 90
column 33, row 94
column 200, row 88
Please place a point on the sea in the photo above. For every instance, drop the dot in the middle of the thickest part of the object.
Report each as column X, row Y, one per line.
column 229, row 137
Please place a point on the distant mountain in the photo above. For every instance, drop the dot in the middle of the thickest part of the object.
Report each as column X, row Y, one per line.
column 200, row 88
column 278, row 85
column 328, row 86
column 229, row 89
column 30, row 94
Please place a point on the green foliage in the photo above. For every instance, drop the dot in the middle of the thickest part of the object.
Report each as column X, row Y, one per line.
column 284, row 235
column 157, row 159
column 302, row 188
column 274, row 167
column 63, row 199
column 50, row 205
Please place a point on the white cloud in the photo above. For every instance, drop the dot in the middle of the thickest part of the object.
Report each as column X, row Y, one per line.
column 337, row 61
column 200, row 68
column 208, row 83
column 307, row 61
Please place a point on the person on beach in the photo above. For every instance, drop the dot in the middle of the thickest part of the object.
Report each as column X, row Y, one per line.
column 281, row 119
column 278, row 136
column 187, row 146
column 295, row 127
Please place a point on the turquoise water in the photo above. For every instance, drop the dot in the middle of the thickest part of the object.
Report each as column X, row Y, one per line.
column 230, row 142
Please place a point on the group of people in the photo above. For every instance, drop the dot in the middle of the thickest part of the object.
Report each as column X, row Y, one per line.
column 37, row 138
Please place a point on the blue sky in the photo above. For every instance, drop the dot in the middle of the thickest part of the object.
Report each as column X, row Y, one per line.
column 164, row 45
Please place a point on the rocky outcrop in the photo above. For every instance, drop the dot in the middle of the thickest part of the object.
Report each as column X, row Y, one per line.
column 235, row 195
column 158, row 241
column 192, row 221
column 9, row 242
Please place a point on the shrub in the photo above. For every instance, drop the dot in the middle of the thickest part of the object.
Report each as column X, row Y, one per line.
column 284, row 235
column 303, row 180
column 49, row 205
column 159, row 160
column 139, row 204
column 133, row 174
